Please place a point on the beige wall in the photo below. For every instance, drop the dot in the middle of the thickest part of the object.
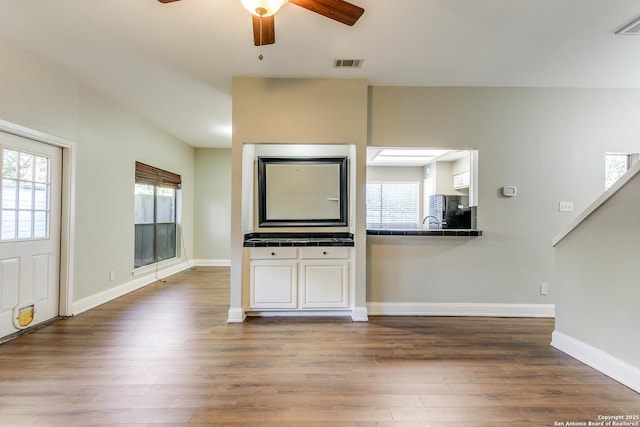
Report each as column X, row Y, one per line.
column 296, row 111
column 212, row 212
column 444, row 178
column 550, row 143
column 108, row 140
column 393, row 173
column 597, row 286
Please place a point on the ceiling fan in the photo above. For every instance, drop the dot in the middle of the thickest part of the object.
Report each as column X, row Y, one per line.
column 263, row 14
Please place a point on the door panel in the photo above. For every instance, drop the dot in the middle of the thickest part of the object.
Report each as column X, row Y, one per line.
column 8, row 289
column 40, row 276
column 30, row 199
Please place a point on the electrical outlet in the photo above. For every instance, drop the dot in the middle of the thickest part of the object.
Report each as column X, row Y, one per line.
column 544, row 288
column 565, row 206
column 112, row 275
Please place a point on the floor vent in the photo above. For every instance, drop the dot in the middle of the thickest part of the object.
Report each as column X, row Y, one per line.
column 632, row 29
column 348, row 63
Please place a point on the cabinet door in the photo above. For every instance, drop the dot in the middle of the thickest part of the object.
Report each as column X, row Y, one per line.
column 324, row 284
column 273, row 284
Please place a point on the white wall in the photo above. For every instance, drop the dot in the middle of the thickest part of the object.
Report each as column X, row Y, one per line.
column 212, row 212
column 37, row 95
column 108, row 140
column 598, row 288
column 550, row 143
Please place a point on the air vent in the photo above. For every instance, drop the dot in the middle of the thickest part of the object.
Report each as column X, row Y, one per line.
column 348, row 63
column 632, row 29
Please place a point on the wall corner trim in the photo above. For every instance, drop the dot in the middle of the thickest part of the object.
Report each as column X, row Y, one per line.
column 612, row 367
column 460, row 309
column 359, row 314
column 236, row 315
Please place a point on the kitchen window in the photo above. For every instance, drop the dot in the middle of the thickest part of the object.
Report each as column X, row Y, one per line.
column 393, row 202
column 156, row 194
column 401, row 181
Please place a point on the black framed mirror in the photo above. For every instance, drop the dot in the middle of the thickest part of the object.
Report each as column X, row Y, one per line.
column 302, row 192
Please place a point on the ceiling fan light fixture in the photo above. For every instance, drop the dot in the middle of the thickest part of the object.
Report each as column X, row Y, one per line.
column 263, row 8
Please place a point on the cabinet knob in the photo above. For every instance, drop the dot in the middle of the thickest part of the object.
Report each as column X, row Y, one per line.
column 324, row 252
column 273, row 253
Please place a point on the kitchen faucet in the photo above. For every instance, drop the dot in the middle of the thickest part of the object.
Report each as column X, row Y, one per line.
column 436, row 222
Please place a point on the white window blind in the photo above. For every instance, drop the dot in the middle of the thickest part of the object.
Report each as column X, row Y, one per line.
column 391, row 202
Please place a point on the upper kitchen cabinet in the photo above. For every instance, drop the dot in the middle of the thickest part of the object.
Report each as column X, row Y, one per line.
column 449, row 174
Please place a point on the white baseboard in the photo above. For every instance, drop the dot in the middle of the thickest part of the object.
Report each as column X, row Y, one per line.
column 359, row 314
column 236, row 315
column 300, row 313
column 460, row 309
column 610, row 366
column 212, row 262
column 95, row 300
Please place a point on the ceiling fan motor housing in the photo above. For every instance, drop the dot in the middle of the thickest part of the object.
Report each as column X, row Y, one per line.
column 263, row 8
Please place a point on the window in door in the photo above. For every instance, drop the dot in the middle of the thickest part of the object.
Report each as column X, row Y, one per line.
column 155, row 215
column 25, row 196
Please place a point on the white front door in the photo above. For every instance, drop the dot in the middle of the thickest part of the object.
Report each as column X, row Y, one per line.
column 30, row 204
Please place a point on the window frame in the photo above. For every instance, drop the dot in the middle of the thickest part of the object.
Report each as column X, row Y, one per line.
column 382, row 183
column 608, row 181
column 33, row 209
column 156, row 179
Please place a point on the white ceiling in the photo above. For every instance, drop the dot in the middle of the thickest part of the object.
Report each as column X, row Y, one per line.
column 173, row 63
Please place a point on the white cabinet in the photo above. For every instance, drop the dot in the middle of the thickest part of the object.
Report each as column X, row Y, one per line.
column 312, row 278
column 323, row 277
column 273, row 278
column 461, row 180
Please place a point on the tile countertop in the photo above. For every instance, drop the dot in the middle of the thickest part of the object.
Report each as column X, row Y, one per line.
column 255, row 240
column 418, row 230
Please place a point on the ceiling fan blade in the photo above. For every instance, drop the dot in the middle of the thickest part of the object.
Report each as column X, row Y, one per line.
column 268, row 30
column 338, row 10
column 167, row 1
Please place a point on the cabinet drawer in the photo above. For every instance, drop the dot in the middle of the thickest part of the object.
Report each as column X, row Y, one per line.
column 324, row 252
column 273, row 253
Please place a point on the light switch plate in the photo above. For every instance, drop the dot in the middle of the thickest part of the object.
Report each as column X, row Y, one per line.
column 544, row 288
column 565, row 206
column 509, row 191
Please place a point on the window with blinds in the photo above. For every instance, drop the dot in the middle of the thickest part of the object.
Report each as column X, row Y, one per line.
column 155, row 214
column 393, row 202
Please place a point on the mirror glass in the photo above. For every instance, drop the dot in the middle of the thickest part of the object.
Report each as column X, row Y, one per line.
column 302, row 191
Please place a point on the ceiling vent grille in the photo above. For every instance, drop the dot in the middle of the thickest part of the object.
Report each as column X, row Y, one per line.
column 348, row 63
column 630, row 29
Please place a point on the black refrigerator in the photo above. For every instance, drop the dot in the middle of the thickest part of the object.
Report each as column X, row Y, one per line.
column 450, row 211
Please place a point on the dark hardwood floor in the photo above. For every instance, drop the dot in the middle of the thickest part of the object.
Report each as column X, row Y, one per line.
column 164, row 355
